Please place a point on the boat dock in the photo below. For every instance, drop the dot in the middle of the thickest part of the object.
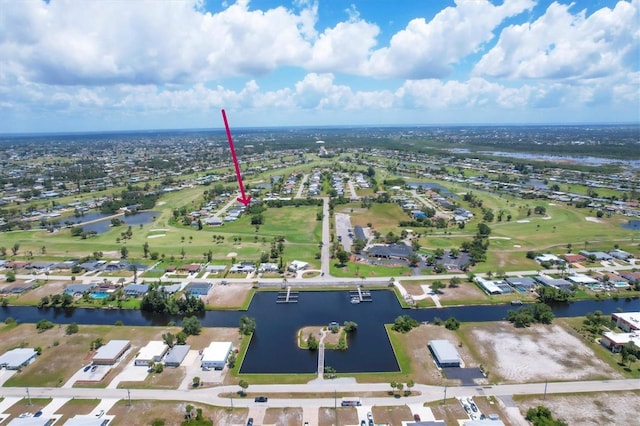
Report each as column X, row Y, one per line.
column 359, row 295
column 287, row 296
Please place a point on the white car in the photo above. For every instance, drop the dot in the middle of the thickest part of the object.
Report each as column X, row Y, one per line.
column 100, row 413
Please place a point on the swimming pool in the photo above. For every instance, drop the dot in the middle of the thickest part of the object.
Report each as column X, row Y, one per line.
column 99, row 295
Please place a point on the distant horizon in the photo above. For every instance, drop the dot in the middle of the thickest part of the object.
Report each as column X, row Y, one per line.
column 302, row 126
column 72, row 67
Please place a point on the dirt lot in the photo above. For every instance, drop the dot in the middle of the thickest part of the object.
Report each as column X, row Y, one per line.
column 143, row 413
column 282, row 417
column 328, row 416
column 392, row 415
column 423, row 365
column 537, row 353
column 228, row 296
column 464, row 291
column 613, row 408
column 45, row 289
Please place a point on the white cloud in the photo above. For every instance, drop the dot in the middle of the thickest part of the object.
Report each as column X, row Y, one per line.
column 430, row 49
column 561, row 45
column 95, row 42
column 344, row 48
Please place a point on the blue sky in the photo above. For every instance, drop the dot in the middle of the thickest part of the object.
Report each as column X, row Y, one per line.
column 69, row 65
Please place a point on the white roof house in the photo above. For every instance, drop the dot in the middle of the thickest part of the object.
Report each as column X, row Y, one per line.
column 615, row 341
column 215, row 355
column 582, row 279
column 627, row 321
column 488, row 286
column 298, row 265
column 151, row 352
column 18, row 357
column 109, row 353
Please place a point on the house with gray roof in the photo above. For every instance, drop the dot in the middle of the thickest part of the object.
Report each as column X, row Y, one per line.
column 199, row 288
column 176, row 355
column 445, row 353
column 391, row 251
column 79, row 289
column 136, row 290
column 521, row 283
column 557, row 283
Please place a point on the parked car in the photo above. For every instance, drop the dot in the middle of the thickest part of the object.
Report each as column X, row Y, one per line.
column 250, row 421
column 37, row 414
column 100, row 413
column 416, row 417
column 87, row 368
column 94, row 368
column 261, row 399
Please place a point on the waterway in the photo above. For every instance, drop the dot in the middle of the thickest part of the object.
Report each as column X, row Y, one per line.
column 273, row 347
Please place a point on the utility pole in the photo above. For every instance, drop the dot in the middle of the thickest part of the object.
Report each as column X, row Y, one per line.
column 444, row 399
column 29, row 397
column 544, row 396
column 129, row 397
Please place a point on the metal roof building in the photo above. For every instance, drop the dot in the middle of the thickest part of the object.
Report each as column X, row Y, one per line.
column 215, row 355
column 176, row 355
column 109, row 353
column 18, row 357
column 445, row 353
column 151, row 352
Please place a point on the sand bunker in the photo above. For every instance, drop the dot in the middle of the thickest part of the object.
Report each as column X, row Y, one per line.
column 232, row 254
column 157, row 236
column 593, row 219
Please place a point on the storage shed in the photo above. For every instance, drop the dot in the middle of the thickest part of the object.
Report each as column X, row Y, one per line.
column 176, row 355
column 17, row 358
column 109, row 353
column 151, row 352
column 445, row 353
column 215, row 356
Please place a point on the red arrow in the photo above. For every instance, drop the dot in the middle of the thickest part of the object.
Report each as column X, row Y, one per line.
column 244, row 199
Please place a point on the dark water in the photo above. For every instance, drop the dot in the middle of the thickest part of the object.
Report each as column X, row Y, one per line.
column 632, row 224
column 273, row 347
column 103, row 226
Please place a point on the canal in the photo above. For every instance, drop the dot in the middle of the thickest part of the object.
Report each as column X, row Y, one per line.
column 273, row 347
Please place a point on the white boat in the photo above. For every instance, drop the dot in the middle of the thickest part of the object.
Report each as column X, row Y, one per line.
column 355, row 300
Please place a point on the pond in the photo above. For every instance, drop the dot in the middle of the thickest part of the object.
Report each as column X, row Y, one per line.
column 632, row 224
column 103, row 226
column 273, row 347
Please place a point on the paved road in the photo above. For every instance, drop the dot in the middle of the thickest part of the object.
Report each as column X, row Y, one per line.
column 427, row 393
column 325, row 251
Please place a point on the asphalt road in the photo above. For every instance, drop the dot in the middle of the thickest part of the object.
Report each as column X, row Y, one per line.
column 427, row 393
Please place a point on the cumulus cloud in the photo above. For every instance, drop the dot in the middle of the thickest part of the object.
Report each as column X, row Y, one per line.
column 344, row 48
column 429, row 49
column 176, row 59
column 148, row 42
column 562, row 45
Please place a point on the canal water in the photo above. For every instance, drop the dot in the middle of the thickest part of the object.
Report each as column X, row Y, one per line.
column 273, row 347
